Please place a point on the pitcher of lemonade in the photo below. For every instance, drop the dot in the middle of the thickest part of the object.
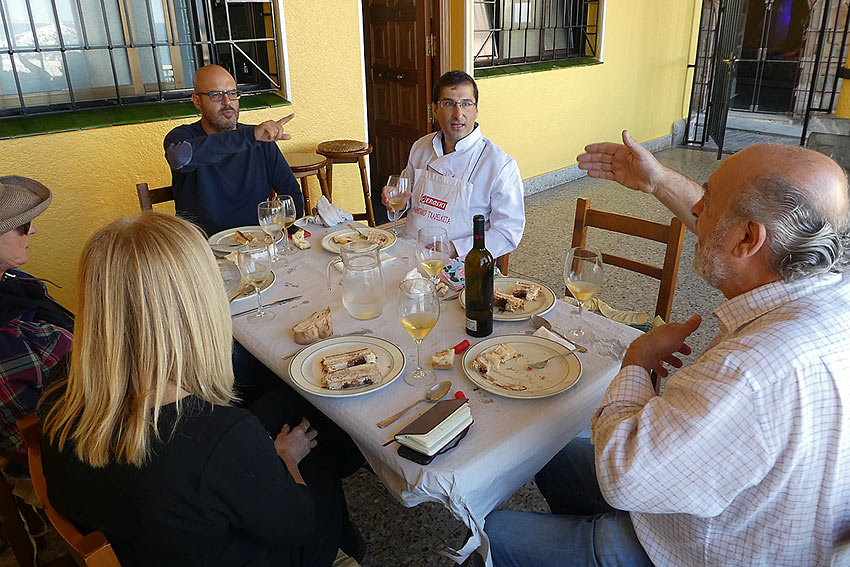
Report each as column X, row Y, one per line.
column 362, row 279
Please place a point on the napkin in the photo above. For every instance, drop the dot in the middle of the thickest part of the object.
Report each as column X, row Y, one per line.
column 329, row 214
column 627, row 317
column 338, row 262
column 545, row 333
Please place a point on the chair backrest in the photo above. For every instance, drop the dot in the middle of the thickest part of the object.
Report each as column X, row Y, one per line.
column 670, row 234
column 149, row 197
column 502, row 263
column 92, row 550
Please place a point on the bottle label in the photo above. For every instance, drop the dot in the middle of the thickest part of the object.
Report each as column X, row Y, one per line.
column 471, row 324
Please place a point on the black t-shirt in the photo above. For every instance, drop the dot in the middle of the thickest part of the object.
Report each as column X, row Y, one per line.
column 214, row 493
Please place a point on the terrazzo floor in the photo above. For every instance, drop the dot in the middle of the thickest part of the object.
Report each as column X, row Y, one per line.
column 399, row 537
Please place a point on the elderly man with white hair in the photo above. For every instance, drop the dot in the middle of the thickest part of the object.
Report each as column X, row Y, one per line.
column 35, row 331
column 744, row 459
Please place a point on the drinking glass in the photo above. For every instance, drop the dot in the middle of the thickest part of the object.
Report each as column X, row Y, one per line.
column 399, row 202
column 290, row 215
column 432, row 250
column 272, row 219
column 418, row 311
column 583, row 276
column 255, row 265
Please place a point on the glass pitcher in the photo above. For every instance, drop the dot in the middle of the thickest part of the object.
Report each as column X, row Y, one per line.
column 362, row 279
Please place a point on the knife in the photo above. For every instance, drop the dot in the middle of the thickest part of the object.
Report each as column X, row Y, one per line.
column 267, row 305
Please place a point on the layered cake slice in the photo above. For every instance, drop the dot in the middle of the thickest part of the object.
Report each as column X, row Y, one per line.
column 504, row 302
column 528, row 291
column 336, row 362
column 489, row 361
column 352, row 377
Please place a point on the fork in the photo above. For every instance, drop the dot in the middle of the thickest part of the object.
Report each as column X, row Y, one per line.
column 543, row 363
column 358, row 231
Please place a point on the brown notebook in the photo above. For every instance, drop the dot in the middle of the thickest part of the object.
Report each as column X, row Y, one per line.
column 435, row 428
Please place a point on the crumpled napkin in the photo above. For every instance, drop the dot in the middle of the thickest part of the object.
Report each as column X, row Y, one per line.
column 338, row 262
column 329, row 214
column 627, row 317
column 545, row 333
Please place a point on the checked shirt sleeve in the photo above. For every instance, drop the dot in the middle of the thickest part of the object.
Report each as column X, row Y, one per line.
column 28, row 350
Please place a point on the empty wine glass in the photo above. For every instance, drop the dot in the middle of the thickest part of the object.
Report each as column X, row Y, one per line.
column 583, row 276
column 255, row 265
column 398, row 199
column 290, row 215
column 271, row 215
column 432, row 250
column 418, row 311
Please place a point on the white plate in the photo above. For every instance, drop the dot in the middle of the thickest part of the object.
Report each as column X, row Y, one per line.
column 305, row 368
column 233, row 279
column 559, row 375
column 227, row 239
column 331, row 246
column 544, row 302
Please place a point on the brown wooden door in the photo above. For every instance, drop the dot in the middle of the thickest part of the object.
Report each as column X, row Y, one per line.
column 398, row 82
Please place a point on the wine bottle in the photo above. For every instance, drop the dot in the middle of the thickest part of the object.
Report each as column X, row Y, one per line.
column 479, row 283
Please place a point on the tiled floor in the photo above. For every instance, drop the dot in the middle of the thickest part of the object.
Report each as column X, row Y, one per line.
column 399, row 536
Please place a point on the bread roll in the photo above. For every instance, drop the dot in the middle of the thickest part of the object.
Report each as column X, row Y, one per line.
column 316, row 326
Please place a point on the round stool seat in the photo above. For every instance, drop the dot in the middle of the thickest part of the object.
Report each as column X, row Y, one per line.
column 344, row 148
column 300, row 163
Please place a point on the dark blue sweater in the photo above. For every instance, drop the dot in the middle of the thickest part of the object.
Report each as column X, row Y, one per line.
column 218, row 179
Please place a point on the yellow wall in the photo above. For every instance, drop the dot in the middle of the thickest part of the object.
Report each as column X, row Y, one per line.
column 545, row 119
column 93, row 173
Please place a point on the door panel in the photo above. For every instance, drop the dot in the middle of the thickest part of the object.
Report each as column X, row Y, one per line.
column 410, row 103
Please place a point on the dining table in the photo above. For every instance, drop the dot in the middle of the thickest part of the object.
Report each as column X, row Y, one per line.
column 510, row 439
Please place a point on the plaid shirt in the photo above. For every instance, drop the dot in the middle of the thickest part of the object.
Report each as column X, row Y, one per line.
column 745, row 458
column 28, row 349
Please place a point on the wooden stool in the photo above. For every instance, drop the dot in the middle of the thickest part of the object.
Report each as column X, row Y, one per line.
column 350, row 151
column 305, row 165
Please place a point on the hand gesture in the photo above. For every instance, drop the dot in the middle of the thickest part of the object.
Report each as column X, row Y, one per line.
column 294, row 444
column 628, row 164
column 385, row 192
column 272, row 130
column 660, row 346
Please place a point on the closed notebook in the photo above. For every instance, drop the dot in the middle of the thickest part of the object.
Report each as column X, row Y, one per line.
column 435, row 428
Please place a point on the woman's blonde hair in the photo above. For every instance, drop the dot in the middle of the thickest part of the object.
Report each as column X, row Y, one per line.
column 152, row 312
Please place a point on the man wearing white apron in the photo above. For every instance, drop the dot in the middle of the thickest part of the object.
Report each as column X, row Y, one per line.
column 456, row 173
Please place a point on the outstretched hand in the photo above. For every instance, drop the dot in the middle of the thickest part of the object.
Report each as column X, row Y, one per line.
column 272, row 130
column 629, row 163
column 659, row 346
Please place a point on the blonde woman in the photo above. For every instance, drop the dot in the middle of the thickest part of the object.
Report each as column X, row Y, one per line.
column 141, row 440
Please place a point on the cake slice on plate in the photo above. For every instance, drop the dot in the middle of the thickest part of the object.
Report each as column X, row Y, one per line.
column 528, row 291
column 336, row 362
column 488, row 361
column 505, row 302
column 352, row 377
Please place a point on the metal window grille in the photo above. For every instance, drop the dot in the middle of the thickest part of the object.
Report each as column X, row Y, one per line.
column 509, row 32
column 59, row 55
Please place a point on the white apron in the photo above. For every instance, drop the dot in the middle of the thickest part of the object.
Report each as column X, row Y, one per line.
column 441, row 201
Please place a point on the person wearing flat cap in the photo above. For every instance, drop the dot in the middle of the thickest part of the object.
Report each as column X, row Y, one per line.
column 35, row 331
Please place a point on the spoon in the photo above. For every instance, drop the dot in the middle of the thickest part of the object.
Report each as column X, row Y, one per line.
column 539, row 321
column 434, row 394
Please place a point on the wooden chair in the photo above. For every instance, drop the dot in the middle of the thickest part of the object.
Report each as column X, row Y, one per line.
column 349, row 151
column 14, row 527
column 92, row 550
column 149, row 197
column 303, row 166
column 672, row 235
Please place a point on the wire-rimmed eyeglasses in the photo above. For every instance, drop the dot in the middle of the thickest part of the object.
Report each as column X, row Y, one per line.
column 448, row 104
column 218, row 96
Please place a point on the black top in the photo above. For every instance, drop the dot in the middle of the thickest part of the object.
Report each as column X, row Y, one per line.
column 214, row 493
column 218, row 179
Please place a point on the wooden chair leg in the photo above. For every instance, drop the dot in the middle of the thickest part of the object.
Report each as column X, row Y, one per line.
column 305, row 189
column 329, row 169
column 367, row 194
column 323, row 183
column 14, row 528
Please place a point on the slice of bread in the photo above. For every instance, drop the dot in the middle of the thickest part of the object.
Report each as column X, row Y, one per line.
column 299, row 240
column 317, row 326
column 443, row 359
column 504, row 302
column 244, row 237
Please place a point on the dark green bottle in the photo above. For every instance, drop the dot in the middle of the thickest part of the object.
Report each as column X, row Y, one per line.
column 478, row 267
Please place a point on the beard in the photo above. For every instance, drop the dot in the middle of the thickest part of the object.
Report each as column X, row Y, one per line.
column 221, row 122
column 708, row 258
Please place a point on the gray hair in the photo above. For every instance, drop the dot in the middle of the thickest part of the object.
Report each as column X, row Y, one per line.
column 803, row 240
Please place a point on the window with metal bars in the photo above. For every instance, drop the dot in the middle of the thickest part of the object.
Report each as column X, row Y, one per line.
column 511, row 32
column 59, row 55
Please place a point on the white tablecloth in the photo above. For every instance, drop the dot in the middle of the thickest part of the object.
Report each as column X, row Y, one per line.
column 510, row 440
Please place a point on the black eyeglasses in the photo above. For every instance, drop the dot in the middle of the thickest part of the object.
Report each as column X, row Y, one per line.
column 448, row 103
column 218, row 96
column 24, row 228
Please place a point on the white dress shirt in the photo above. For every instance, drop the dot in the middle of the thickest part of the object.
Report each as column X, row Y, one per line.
column 497, row 186
column 745, row 458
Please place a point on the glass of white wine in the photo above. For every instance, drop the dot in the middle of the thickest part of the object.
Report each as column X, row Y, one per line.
column 583, row 276
column 432, row 250
column 418, row 311
column 290, row 215
column 272, row 216
column 398, row 198
column 255, row 265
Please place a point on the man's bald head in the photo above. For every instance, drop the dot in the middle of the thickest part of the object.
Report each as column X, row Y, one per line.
column 216, row 116
column 801, row 197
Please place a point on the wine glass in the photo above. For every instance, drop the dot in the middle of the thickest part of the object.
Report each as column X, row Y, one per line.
column 255, row 265
column 399, row 202
column 583, row 276
column 271, row 216
column 418, row 311
column 432, row 250
column 290, row 215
